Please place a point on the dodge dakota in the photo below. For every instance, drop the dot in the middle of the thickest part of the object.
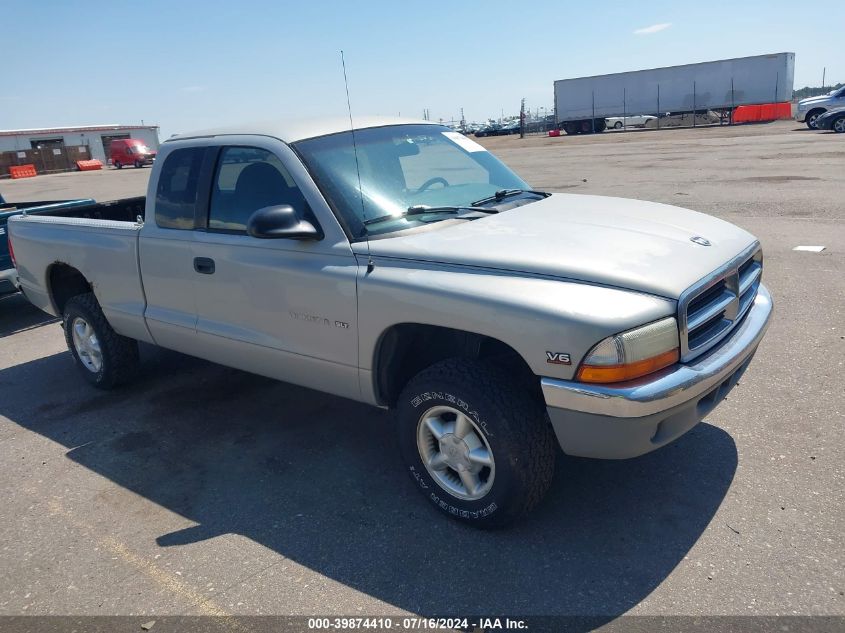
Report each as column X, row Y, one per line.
column 401, row 264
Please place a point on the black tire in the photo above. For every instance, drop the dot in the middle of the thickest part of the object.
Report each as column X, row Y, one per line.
column 138, row 164
column 811, row 117
column 513, row 423
column 119, row 354
column 617, row 125
column 117, row 164
column 838, row 124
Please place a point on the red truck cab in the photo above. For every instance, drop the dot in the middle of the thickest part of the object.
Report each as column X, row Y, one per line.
column 130, row 151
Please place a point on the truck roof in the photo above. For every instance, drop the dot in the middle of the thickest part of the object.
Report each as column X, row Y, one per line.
column 292, row 130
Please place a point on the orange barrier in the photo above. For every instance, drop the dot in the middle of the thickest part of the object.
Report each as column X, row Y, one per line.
column 764, row 112
column 89, row 165
column 22, row 171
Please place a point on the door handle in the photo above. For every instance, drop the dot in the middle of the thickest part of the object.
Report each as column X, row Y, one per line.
column 204, row 265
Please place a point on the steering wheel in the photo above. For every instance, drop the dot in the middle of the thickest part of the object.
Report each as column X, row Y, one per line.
column 432, row 181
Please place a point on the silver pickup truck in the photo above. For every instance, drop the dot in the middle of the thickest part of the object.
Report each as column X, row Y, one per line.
column 403, row 265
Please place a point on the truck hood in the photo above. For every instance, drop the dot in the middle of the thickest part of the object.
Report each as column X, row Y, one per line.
column 643, row 246
column 813, row 100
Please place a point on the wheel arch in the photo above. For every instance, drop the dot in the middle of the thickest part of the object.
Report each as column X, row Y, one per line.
column 405, row 349
column 817, row 111
column 63, row 283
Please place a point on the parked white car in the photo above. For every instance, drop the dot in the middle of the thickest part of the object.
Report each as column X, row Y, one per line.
column 638, row 120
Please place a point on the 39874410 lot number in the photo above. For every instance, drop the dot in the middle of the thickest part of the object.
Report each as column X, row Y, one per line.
column 388, row 623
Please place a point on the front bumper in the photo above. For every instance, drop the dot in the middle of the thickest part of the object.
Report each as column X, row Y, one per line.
column 629, row 419
column 799, row 115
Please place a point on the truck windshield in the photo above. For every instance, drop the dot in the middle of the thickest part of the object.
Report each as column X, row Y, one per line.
column 402, row 166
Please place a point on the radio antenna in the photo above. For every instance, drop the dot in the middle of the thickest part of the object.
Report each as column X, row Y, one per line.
column 370, row 264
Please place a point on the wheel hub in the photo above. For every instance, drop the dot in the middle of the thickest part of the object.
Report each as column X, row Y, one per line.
column 87, row 345
column 455, row 452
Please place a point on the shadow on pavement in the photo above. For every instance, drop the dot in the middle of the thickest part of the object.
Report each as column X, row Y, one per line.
column 318, row 479
column 17, row 314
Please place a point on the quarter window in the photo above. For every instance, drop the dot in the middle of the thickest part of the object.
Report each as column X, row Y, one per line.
column 248, row 179
column 176, row 196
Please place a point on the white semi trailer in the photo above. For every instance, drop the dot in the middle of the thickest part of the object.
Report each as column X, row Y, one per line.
column 582, row 104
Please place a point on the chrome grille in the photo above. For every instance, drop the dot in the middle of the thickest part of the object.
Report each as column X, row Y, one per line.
column 709, row 310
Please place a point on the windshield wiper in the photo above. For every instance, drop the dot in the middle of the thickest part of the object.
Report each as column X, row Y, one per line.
column 507, row 193
column 421, row 209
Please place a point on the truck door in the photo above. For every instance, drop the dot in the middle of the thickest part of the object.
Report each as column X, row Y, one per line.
column 167, row 263
column 277, row 307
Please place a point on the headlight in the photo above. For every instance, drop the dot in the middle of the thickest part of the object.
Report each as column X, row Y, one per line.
column 802, row 106
column 632, row 354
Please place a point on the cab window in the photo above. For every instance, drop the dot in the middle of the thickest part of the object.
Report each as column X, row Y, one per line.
column 176, row 195
column 248, row 179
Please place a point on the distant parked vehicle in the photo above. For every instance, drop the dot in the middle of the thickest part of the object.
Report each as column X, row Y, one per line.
column 832, row 120
column 130, row 151
column 488, row 130
column 810, row 109
column 684, row 119
column 635, row 120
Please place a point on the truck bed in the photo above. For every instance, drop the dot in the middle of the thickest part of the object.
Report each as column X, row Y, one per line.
column 35, row 207
column 123, row 210
column 99, row 240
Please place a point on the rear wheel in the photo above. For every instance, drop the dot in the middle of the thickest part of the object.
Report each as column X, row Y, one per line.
column 138, row 164
column 117, row 164
column 479, row 446
column 811, row 117
column 104, row 357
column 838, row 124
column 617, row 125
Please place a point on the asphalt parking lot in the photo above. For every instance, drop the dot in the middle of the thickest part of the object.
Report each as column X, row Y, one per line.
column 204, row 490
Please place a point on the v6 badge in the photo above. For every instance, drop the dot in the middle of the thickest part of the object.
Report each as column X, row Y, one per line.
column 558, row 358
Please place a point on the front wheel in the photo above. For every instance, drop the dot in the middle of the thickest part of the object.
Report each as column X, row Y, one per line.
column 617, row 125
column 479, row 447
column 811, row 117
column 104, row 357
column 138, row 164
column 117, row 164
column 838, row 124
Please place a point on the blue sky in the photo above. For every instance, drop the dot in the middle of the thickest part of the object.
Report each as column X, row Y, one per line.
column 187, row 64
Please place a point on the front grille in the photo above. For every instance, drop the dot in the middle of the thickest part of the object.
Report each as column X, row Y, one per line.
column 709, row 310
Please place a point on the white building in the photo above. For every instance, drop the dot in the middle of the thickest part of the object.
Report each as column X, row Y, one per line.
column 95, row 137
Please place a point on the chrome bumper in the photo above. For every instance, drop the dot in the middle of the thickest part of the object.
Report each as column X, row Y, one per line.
column 629, row 419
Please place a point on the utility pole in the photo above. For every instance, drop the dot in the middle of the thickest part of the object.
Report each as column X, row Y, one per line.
column 463, row 121
column 522, row 119
column 824, row 71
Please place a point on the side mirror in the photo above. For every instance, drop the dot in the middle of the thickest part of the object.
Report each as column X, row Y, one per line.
column 281, row 221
